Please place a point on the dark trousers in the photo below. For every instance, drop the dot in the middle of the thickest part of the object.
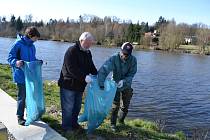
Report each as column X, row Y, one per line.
column 21, row 99
column 70, row 104
column 125, row 97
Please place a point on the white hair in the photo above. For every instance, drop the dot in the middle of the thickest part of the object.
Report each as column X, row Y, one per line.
column 86, row 36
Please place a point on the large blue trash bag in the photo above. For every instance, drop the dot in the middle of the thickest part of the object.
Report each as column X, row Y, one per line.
column 35, row 104
column 97, row 103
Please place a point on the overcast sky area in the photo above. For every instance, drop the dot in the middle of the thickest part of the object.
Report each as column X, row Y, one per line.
column 187, row 11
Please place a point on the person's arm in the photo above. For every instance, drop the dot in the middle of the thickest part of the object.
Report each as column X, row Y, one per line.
column 104, row 71
column 129, row 77
column 12, row 57
column 36, row 59
column 34, row 49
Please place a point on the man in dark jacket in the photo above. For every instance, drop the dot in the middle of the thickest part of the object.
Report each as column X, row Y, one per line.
column 74, row 76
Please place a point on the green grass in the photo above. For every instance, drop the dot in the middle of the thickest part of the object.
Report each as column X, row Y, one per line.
column 6, row 80
column 195, row 49
column 189, row 47
column 133, row 129
column 192, row 49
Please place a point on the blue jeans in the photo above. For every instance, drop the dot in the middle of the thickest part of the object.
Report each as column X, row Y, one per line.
column 21, row 98
column 70, row 104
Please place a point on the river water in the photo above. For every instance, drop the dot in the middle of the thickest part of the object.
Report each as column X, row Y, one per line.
column 173, row 88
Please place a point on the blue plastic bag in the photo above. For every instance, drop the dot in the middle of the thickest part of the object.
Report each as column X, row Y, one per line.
column 97, row 103
column 35, row 104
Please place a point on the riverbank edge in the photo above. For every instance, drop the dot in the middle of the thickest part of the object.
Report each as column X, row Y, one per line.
column 133, row 129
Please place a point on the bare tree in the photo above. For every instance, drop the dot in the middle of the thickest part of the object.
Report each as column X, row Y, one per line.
column 170, row 36
column 203, row 34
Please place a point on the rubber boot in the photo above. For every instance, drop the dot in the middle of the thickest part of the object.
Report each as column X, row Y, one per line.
column 114, row 119
column 122, row 116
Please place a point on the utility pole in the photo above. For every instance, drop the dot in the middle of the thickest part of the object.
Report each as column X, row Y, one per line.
column 81, row 24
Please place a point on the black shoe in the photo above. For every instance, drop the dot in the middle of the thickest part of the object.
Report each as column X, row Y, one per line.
column 21, row 121
column 68, row 133
column 78, row 128
column 121, row 122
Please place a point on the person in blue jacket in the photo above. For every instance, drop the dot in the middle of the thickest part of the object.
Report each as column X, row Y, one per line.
column 22, row 50
column 124, row 66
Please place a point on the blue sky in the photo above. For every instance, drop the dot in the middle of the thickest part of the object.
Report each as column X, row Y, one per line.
column 187, row 11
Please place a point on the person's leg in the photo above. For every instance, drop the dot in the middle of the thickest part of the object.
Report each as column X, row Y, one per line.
column 67, row 104
column 76, row 110
column 21, row 97
column 126, row 97
column 114, row 110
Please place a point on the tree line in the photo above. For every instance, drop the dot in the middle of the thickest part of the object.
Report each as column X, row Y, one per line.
column 164, row 34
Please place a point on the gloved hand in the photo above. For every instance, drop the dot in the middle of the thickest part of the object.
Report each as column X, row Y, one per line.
column 120, row 84
column 19, row 63
column 88, row 79
column 41, row 61
column 101, row 87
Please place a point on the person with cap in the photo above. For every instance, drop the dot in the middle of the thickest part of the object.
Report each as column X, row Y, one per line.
column 74, row 76
column 22, row 50
column 124, row 66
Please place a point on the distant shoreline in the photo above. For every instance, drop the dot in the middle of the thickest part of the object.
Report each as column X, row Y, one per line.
column 189, row 49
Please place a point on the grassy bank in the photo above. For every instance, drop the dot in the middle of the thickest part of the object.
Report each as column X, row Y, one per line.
column 133, row 129
column 191, row 49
